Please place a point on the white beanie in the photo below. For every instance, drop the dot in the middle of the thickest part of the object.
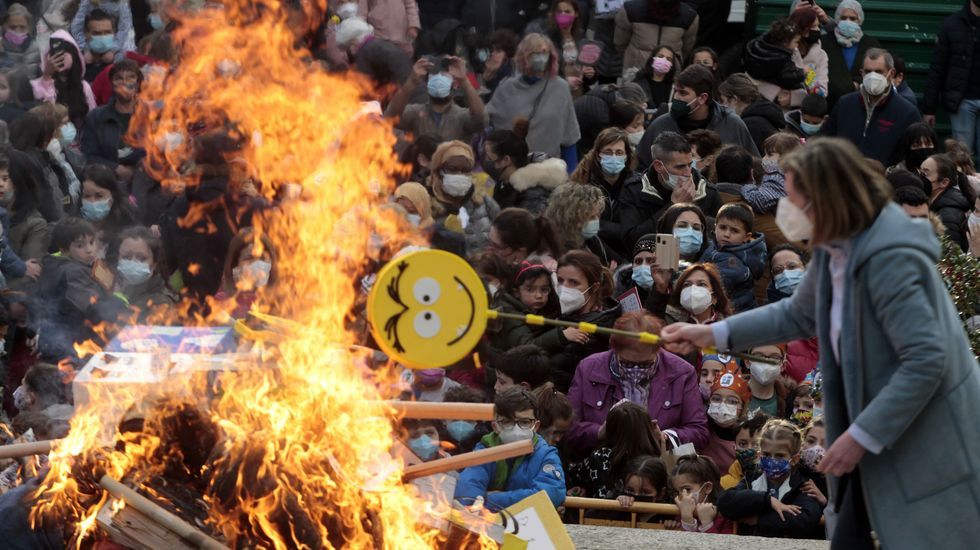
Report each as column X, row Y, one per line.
column 353, row 30
column 850, row 5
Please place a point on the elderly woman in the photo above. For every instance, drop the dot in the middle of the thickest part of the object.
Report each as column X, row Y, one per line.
column 540, row 96
column 574, row 211
column 897, row 367
column 457, row 204
column 643, row 374
column 845, row 50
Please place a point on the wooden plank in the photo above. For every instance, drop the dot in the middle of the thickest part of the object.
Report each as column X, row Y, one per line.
column 475, row 458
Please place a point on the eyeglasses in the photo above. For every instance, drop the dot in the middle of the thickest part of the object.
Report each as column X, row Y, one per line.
column 791, row 266
column 523, row 423
column 730, row 400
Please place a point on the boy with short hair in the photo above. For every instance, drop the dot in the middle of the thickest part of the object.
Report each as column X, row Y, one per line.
column 71, row 298
column 746, row 464
column 739, row 254
column 807, row 121
column 507, row 482
column 526, row 366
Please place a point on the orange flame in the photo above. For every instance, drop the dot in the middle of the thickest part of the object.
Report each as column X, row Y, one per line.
column 303, row 451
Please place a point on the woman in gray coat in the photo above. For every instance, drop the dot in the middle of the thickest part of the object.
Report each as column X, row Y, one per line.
column 901, row 386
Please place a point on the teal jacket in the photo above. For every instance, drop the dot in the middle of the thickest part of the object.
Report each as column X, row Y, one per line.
column 907, row 377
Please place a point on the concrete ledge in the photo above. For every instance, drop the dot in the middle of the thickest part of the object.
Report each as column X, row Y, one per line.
column 621, row 538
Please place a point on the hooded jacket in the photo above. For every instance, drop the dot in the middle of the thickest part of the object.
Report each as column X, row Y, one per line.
column 763, row 119
column 740, row 265
column 722, row 120
column 43, row 86
column 901, row 343
column 515, row 479
column 530, row 186
column 772, row 63
column 952, row 208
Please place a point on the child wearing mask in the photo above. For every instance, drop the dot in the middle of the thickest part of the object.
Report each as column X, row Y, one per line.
column 629, row 434
column 72, row 299
column 726, row 409
column 739, row 254
column 809, row 118
column 695, row 480
column 768, row 391
column 810, row 457
column 424, row 439
column 464, row 434
column 746, row 464
column 802, row 405
column 774, row 505
column 507, row 482
column 555, row 412
column 429, row 384
column 532, row 291
column 525, row 366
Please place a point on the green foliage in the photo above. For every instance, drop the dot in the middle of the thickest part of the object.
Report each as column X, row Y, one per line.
column 962, row 275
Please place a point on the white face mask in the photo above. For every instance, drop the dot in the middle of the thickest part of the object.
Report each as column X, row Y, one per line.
column 695, row 299
column 793, row 221
column 764, row 374
column 515, row 433
column 457, row 185
column 590, row 229
column 875, row 84
column 635, row 138
column 414, row 219
column 256, row 274
column 346, row 11
column 492, row 288
column 723, row 414
column 571, row 299
column 22, row 399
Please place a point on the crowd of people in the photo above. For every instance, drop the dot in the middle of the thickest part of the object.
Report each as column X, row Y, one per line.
column 551, row 145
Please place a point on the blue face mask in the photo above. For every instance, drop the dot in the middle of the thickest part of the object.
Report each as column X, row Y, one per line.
column 156, row 22
column 68, row 133
column 440, row 85
column 133, row 272
column 95, row 211
column 787, row 281
column 102, row 44
column 590, row 229
column 848, row 29
column 612, row 164
column 774, row 468
column 642, row 276
column 461, row 430
column 689, row 240
column 423, row 446
column 809, row 129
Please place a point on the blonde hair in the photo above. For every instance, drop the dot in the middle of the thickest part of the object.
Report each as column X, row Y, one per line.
column 778, row 429
column 530, row 43
column 845, row 194
column 569, row 207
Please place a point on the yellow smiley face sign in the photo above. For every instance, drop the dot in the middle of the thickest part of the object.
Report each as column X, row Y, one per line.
column 427, row 309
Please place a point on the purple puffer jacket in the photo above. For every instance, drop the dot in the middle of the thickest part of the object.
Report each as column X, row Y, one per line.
column 675, row 400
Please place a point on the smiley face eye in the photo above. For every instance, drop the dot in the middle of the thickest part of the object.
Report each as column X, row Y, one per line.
column 426, row 291
column 427, row 324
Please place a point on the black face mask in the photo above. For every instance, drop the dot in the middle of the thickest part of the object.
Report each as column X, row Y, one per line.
column 812, row 38
column 915, row 157
column 491, row 169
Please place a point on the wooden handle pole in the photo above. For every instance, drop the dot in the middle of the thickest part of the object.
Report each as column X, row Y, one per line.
column 443, row 411
column 147, row 507
column 18, row 450
column 475, row 458
column 614, row 506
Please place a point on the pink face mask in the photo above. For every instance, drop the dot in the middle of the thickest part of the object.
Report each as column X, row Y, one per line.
column 564, row 20
column 15, row 38
column 661, row 65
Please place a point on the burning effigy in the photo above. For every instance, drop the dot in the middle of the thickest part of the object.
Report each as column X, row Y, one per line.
column 290, row 444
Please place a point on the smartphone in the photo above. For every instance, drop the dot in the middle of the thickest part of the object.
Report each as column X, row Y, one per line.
column 668, row 253
column 58, row 47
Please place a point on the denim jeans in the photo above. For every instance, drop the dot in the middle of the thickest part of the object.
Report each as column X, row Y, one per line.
column 966, row 125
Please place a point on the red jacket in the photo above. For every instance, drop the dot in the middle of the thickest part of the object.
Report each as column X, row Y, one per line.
column 801, row 358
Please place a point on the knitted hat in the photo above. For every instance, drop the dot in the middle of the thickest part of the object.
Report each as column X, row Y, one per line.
column 730, row 379
column 850, row 5
column 646, row 243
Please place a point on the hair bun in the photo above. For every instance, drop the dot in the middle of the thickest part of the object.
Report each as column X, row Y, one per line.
column 521, row 127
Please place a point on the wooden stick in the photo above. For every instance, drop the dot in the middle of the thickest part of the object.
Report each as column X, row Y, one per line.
column 144, row 505
column 18, row 450
column 475, row 458
column 614, row 506
column 443, row 411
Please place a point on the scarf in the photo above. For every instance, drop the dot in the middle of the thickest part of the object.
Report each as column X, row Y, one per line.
column 502, row 468
column 635, row 379
column 848, row 42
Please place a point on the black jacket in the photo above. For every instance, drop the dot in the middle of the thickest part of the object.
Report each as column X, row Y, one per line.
column 952, row 60
column 771, row 63
column 875, row 136
column 102, row 137
column 742, row 501
column 480, row 16
column 763, row 119
column 564, row 362
column 152, row 200
column 952, row 208
column 841, row 78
